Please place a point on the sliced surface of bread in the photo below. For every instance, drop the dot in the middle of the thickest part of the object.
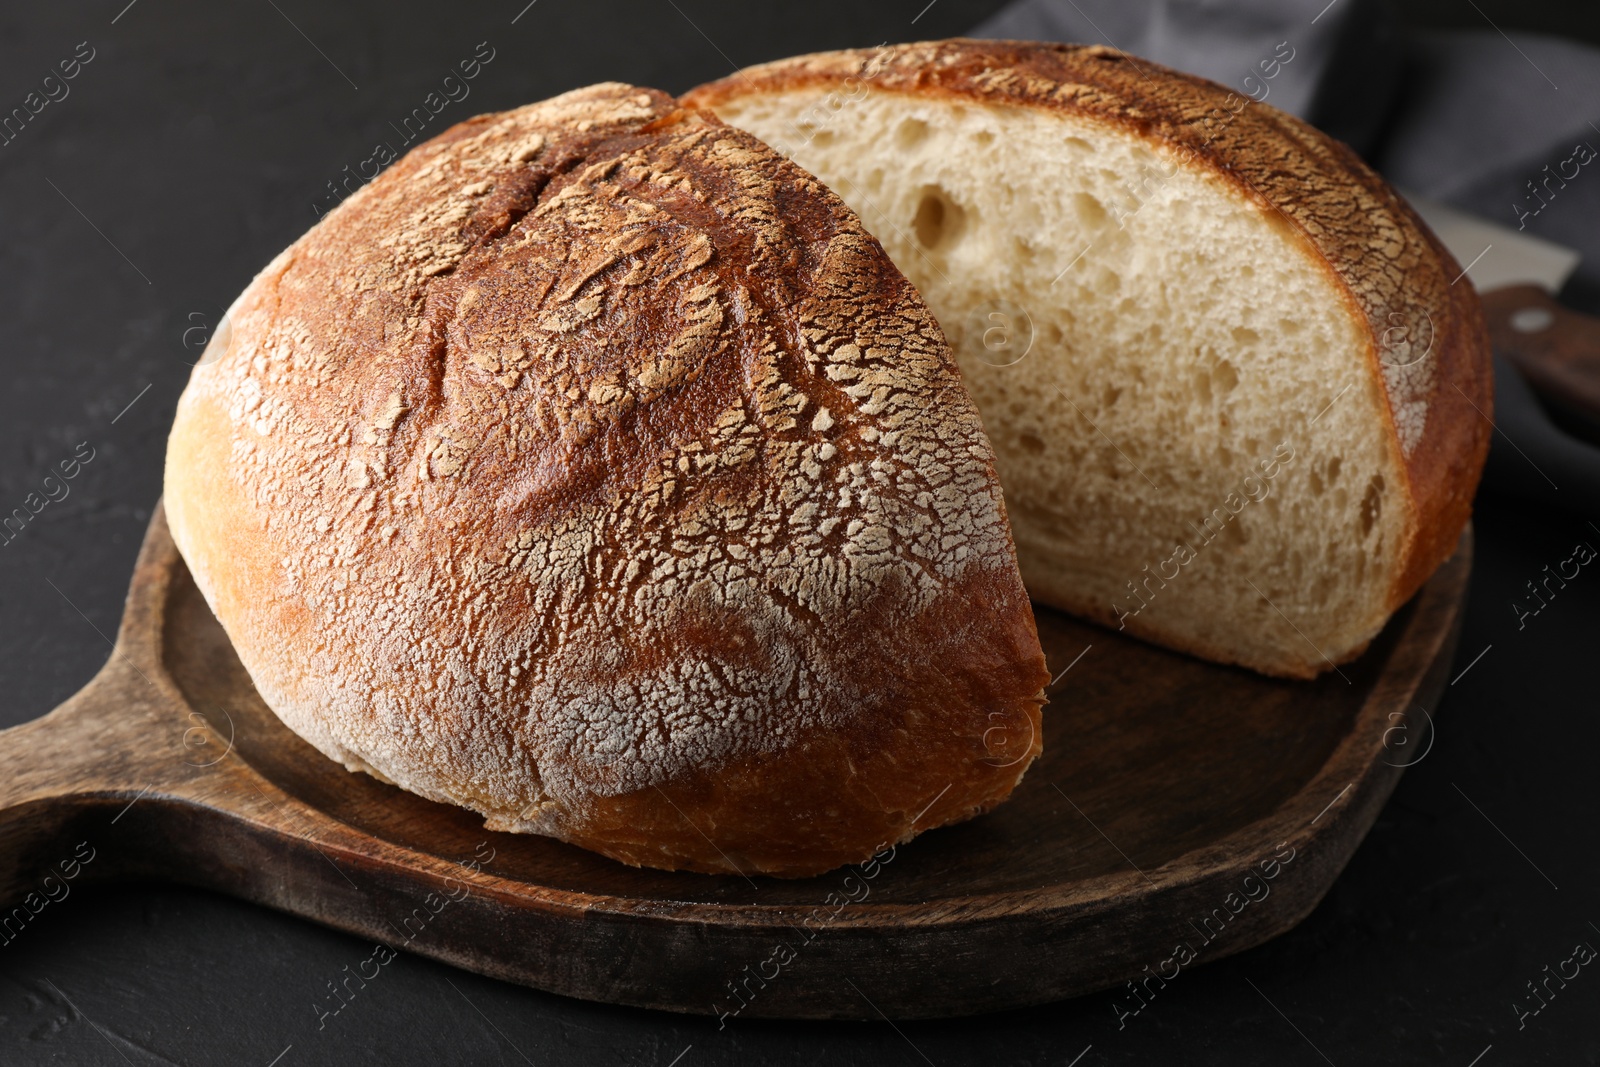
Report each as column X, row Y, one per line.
column 1238, row 403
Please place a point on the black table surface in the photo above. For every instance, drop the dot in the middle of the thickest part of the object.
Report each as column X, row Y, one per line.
column 192, row 147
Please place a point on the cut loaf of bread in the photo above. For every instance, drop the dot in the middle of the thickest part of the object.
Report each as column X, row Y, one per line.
column 1238, row 404
column 592, row 468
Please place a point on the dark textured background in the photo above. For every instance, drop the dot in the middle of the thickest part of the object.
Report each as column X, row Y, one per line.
column 196, row 142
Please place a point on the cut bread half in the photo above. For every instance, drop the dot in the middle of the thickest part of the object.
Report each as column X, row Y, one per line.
column 1239, row 407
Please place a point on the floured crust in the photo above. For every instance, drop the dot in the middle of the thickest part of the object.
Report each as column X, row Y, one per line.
column 1397, row 275
column 593, row 469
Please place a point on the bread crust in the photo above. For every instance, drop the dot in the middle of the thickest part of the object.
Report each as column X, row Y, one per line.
column 1395, row 273
column 592, row 468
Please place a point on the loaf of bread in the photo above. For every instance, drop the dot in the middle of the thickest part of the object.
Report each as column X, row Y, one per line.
column 595, row 470
column 1239, row 402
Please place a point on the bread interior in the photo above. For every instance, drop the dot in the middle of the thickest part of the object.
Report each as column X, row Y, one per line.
column 1184, row 399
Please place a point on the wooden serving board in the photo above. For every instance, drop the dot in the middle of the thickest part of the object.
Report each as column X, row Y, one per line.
column 1177, row 803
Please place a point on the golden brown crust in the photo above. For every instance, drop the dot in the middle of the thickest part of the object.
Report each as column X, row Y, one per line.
column 592, row 468
column 1396, row 272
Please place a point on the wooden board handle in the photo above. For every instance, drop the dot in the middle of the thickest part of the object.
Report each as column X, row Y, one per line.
column 122, row 740
column 59, row 776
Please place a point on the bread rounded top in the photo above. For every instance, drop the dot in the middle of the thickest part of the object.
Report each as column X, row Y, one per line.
column 1428, row 340
column 589, row 448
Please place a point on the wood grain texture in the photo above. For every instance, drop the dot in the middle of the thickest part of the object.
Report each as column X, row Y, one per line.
column 1166, row 782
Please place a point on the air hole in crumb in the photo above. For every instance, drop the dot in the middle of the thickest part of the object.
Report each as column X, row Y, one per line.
column 1091, row 212
column 1244, row 336
column 822, row 138
column 1078, row 144
column 939, row 220
column 1333, row 469
column 1112, row 395
column 983, row 137
column 1372, row 504
column 1316, row 484
column 875, row 180
column 911, row 133
column 1031, row 443
column 1225, row 377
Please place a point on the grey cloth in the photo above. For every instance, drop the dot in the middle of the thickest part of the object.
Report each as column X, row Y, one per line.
column 1223, row 40
column 1466, row 117
column 1482, row 117
column 1345, row 61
